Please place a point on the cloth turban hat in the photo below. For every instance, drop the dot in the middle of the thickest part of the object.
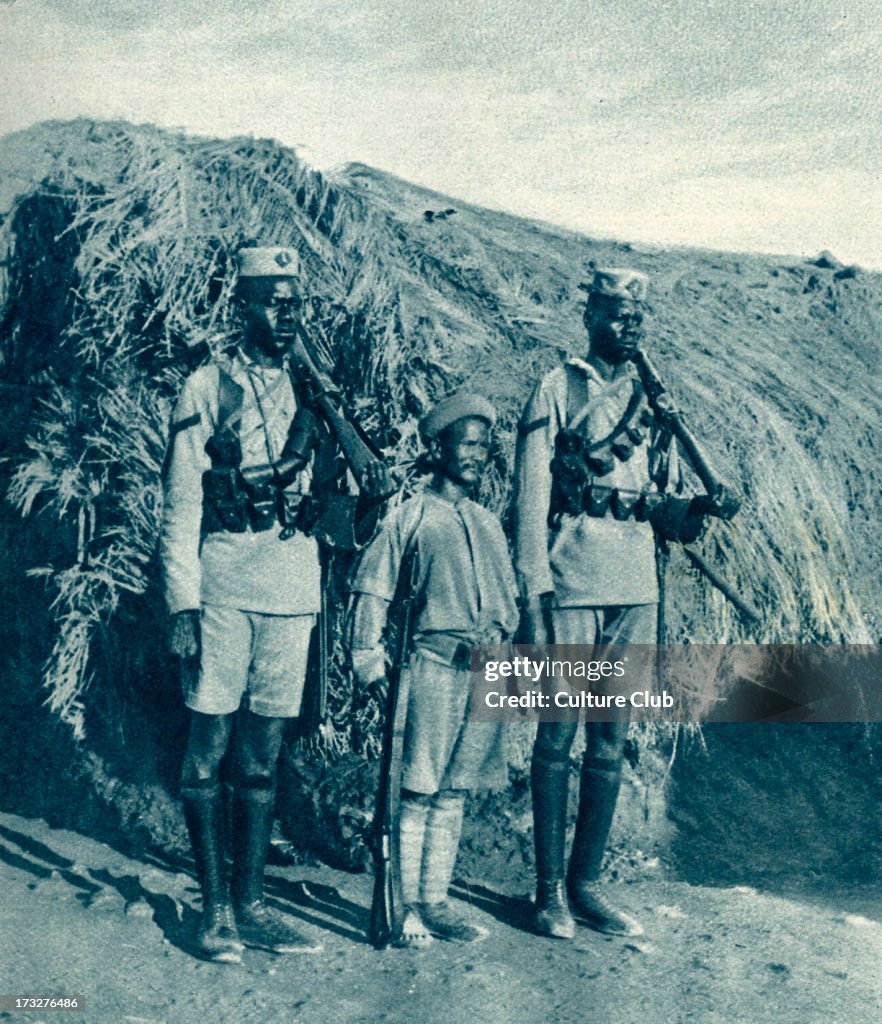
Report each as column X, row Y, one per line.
column 459, row 406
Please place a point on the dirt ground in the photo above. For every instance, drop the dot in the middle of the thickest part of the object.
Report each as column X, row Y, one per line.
column 80, row 918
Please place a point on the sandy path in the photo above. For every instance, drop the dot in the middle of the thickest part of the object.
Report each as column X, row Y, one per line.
column 79, row 918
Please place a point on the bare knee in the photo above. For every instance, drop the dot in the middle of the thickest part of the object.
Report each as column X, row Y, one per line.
column 258, row 754
column 206, row 746
column 553, row 742
column 605, row 742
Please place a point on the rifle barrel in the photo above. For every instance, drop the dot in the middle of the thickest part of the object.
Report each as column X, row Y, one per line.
column 357, row 453
column 747, row 610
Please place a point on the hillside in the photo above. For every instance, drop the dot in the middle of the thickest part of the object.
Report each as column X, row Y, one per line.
column 118, row 242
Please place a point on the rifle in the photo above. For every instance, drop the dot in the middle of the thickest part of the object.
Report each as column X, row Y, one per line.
column 387, row 904
column 357, row 448
column 746, row 609
column 719, row 501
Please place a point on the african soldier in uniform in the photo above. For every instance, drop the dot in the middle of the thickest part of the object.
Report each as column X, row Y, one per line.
column 586, row 563
column 242, row 584
column 464, row 594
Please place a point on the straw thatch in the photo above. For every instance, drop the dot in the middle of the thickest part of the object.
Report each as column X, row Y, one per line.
column 118, row 280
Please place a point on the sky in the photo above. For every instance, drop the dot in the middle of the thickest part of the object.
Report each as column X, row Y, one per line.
column 744, row 125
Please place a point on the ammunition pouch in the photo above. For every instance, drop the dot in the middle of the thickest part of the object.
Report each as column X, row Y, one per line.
column 624, row 504
column 297, row 512
column 576, row 461
column 621, row 503
column 676, row 519
column 262, row 496
column 224, row 501
column 234, row 502
column 254, row 498
column 237, row 499
column 597, row 501
column 679, row 520
column 569, row 474
column 223, row 449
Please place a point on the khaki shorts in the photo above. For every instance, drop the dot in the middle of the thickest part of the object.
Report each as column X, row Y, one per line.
column 603, row 627
column 613, row 624
column 247, row 654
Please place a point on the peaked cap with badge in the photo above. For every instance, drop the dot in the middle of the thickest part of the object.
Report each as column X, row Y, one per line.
column 268, row 261
column 619, row 283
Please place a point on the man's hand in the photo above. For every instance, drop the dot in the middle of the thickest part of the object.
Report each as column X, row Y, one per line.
column 377, row 483
column 183, row 634
column 380, row 689
column 368, row 664
column 534, row 626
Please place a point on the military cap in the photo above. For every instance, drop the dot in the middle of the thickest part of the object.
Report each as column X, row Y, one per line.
column 268, row 261
column 456, row 407
column 619, row 283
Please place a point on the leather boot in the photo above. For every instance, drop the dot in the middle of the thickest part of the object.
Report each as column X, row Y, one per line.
column 593, row 909
column 260, row 926
column 550, row 783
column 217, row 938
column 598, row 792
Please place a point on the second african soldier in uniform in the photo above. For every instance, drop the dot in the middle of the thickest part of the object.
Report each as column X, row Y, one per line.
column 591, row 465
column 249, row 473
column 464, row 594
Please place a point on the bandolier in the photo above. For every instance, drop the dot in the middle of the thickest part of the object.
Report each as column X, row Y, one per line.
column 252, row 484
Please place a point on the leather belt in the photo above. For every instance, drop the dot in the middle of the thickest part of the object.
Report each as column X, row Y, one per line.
column 452, row 650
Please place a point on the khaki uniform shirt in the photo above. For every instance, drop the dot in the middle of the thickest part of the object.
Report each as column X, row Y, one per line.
column 256, row 572
column 586, row 561
column 464, row 588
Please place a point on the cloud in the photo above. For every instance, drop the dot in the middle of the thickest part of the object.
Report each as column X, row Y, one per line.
column 622, row 120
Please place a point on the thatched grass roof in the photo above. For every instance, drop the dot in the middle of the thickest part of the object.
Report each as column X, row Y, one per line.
column 118, row 246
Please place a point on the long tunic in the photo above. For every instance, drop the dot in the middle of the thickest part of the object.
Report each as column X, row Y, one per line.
column 464, row 589
column 464, row 586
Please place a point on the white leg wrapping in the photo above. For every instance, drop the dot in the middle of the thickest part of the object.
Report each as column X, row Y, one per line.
column 412, row 830
column 443, row 828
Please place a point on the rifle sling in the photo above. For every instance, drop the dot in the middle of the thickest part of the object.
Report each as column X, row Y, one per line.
column 229, row 401
column 627, row 419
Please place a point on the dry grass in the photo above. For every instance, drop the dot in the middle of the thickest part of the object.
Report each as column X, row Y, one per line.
column 776, row 365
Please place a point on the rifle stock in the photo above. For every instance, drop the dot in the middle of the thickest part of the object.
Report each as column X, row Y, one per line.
column 387, row 904
column 746, row 609
column 720, row 501
column 357, row 450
